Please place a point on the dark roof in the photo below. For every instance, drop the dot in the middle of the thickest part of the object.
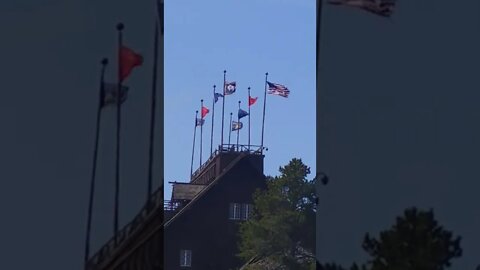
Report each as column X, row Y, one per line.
column 204, row 190
column 186, row 191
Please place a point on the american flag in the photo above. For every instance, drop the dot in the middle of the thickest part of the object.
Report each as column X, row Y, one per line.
column 278, row 89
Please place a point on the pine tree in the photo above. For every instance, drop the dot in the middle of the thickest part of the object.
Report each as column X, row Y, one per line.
column 281, row 232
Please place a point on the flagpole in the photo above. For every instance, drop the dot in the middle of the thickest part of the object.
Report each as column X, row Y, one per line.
column 238, row 119
column 264, row 105
column 193, row 148
column 94, row 166
column 120, row 27
column 230, row 133
column 319, row 19
column 152, row 116
column 249, row 118
column 213, row 118
column 223, row 105
column 201, row 131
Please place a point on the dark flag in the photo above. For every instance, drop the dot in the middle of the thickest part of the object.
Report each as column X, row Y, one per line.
column 278, row 89
column 383, row 8
column 216, row 96
column 230, row 88
column 242, row 113
column 199, row 122
column 236, row 125
column 129, row 60
column 109, row 94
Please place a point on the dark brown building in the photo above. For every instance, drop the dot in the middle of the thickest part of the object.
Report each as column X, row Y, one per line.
column 202, row 229
column 198, row 228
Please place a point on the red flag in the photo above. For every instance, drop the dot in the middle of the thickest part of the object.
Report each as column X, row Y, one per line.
column 205, row 111
column 252, row 101
column 128, row 60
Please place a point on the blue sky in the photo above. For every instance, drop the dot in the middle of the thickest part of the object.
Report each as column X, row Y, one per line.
column 246, row 38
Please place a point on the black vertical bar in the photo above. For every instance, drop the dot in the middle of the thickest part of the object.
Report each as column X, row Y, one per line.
column 249, row 118
column 152, row 115
column 201, row 130
column 213, row 118
column 120, row 27
column 193, row 148
column 317, row 219
column 223, row 105
column 264, row 105
column 230, row 133
column 94, row 166
column 238, row 119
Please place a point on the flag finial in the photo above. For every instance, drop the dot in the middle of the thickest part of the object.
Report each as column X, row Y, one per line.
column 239, row 102
column 120, row 26
column 249, row 88
column 266, row 74
column 201, row 100
column 104, row 61
column 214, row 86
column 224, row 71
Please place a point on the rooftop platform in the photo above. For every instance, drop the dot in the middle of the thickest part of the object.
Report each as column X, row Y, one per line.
column 220, row 159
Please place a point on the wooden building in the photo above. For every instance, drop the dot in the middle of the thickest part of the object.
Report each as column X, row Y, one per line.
column 202, row 232
column 198, row 227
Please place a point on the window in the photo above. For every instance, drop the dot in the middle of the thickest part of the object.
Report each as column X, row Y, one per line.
column 240, row 211
column 247, row 211
column 235, row 211
column 185, row 258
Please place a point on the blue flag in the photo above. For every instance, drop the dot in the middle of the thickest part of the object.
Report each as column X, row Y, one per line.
column 216, row 96
column 242, row 113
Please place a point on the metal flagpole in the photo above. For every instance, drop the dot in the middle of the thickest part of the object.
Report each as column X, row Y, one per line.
column 264, row 105
column 201, row 130
column 223, row 106
column 249, row 118
column 193, row 148
column 230, row 133
column 319, row 19
column 94, row 167
column 238, row 119
column 213, row 118
column 120, row 27
column 152, row 115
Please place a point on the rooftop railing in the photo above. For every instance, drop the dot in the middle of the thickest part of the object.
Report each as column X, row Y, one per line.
column 228, row 148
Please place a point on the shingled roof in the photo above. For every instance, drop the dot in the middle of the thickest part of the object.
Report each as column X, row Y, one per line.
column 186, row 191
